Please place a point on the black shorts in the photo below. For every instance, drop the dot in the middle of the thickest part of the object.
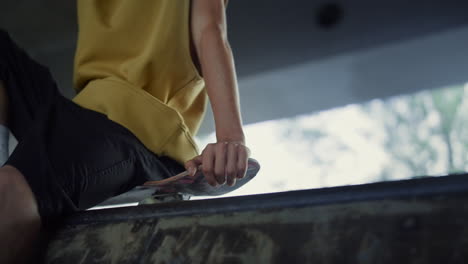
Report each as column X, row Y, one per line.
column 73, row 158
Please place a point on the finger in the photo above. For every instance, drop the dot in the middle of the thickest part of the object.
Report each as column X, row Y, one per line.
column 231, row 164
column 192, row 165
column 242, row 161
column 220, row 162
column 208, row 162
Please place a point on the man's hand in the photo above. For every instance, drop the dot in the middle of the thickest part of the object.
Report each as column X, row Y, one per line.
column 222, row 162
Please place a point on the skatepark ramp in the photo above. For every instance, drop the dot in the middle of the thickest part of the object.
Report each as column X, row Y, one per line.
column 412, row 221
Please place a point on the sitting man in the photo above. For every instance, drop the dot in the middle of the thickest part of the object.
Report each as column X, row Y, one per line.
column 143, row 72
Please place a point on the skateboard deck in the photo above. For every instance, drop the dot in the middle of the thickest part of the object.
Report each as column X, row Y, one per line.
column 197, row 185
column 181, row 187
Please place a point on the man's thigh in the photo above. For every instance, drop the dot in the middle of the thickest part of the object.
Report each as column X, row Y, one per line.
column 74, row 158
column 29, row 86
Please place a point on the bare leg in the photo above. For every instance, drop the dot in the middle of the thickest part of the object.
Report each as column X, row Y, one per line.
column 19, row 218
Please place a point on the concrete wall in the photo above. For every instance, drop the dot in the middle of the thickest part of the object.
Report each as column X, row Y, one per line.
column 415, row 221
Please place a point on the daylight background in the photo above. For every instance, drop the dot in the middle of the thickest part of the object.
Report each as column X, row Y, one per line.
column 403, row 137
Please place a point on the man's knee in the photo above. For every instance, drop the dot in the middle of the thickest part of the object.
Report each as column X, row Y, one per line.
column 7, row 179
column 20, row 230
column 15, row 191
column 13, row 179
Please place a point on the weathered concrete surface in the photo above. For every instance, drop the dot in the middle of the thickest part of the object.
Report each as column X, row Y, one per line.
column 423, row 227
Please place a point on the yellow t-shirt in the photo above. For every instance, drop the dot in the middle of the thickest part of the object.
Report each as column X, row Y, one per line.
column 133, row 64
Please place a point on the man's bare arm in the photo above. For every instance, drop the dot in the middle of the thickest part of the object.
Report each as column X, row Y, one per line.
column 225, row 160
column 214, row 52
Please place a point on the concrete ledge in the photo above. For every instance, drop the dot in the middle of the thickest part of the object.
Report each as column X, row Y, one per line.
column 413, row 221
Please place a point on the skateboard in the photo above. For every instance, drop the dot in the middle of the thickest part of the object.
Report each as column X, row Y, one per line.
column 181, row 187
